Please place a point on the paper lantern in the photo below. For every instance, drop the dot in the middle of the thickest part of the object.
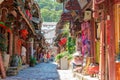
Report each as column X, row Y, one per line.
column 87, row 15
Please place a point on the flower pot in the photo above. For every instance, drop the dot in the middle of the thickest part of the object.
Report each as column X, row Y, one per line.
column 32, row 65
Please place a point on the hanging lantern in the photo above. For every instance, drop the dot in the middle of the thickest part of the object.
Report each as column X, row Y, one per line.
column 62, row 41
column 87, row 15
column 24, row 33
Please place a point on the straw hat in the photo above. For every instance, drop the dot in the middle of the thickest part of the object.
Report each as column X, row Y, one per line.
column 77, row 54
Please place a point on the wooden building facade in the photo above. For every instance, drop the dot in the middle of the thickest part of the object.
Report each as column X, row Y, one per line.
column 19, row 22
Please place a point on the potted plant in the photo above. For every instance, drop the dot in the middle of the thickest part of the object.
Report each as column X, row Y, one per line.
column 32, row 61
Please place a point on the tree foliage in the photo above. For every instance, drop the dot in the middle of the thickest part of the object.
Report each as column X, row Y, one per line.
column 50, row 10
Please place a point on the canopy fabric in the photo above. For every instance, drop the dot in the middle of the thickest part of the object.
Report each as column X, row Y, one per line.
column 36, row 20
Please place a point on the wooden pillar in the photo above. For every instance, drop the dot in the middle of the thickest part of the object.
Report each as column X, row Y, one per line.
column 2, row 69
column 93, row 40
column 111, row 51
column 28, row 52
column 11, row 44
column 102, row 51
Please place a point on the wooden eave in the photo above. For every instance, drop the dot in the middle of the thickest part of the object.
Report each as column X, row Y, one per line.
column 89, row 5
column 28, row 23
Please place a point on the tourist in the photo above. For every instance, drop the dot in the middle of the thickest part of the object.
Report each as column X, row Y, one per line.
column 77, row 62
column 23, row 54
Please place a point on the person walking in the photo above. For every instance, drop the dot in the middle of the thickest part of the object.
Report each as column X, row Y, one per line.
column 23, row 54
column 48, row 56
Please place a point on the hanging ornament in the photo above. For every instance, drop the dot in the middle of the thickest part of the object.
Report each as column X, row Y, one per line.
column 24, row 33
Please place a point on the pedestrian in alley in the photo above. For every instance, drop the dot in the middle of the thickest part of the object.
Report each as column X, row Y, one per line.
column 77, row 62
column 23, row 54
column 41, row 56
column 38, row 53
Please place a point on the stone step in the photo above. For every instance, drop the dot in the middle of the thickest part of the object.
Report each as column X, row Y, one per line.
column 9, row 71
column 12, row 74
column 12, row 71
column 12, row 68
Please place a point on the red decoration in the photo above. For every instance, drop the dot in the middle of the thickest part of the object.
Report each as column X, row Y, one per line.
column 24, row 33
column 93, row 70
column 5, row 27
column 19, row 44
column 62, row 41
column 29, row 14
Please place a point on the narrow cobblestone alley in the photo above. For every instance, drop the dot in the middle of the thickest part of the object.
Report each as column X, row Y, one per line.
column 42, row 71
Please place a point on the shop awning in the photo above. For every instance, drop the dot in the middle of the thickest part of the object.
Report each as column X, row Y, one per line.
column 36, row 20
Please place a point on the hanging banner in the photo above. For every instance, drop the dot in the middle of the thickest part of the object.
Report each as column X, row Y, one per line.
column 83, row 3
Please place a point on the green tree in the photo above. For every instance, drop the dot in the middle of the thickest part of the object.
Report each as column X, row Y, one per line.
column 50, row 10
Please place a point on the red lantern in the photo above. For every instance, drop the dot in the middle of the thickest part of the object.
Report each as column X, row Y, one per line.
column 62, row 41
column 24, row 33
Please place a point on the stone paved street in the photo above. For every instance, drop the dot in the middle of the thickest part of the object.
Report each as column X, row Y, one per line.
column 43, row 71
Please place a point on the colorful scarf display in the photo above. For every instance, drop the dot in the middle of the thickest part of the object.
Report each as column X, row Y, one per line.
column 85, row 38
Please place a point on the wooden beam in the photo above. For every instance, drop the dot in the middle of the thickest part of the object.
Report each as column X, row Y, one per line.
column 28, row 23
column 89, row 5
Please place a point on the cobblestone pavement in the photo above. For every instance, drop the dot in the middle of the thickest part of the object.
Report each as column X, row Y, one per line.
column 42, row 71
